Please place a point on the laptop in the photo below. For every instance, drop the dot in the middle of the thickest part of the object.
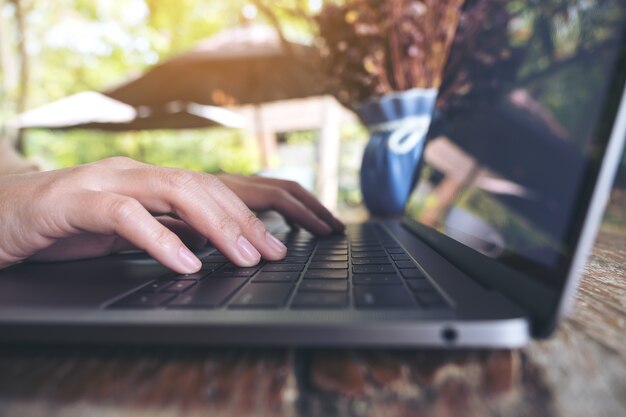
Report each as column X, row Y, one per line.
column 527, row 135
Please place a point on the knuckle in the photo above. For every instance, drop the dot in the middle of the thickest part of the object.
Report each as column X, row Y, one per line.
column 177, row 179
column 84, row 171
column 252, row 222
column 123, row 209
column 214, row 183
column 162, row 237
column 280, row 193
column 227, row 225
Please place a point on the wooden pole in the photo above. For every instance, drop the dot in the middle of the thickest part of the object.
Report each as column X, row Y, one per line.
column 266, row 137
column 328, row 155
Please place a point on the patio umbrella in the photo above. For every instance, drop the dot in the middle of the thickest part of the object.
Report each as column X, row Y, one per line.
column 75, row 110
column 93, row 110
column 249, row 64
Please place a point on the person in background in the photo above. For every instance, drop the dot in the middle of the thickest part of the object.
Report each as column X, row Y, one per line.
column 119, row 204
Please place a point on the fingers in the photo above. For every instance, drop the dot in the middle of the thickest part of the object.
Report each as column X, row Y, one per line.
column 310, row 201
column 295, row 212
column 297, row 205
column 190, row 237
column 108, row 214
column 207, row 205
column 253, row 228
column 91, row 245
column 119, row 197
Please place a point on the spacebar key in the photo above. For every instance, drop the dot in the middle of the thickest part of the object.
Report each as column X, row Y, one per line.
column 208, row 293
column 262, row 295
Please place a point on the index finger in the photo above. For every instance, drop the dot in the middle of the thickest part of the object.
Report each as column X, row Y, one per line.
column 309, row 200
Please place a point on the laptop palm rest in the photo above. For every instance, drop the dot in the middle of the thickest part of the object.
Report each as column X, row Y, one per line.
column 76, row 284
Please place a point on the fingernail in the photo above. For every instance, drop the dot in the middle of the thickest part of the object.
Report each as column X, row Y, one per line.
column 326, row 228
column 247, row 251
column 189, row 260
column 339, row 225
column 275, row 244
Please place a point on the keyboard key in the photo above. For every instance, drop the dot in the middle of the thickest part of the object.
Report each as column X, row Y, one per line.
column 333, row 245
column 355, row 245
column 211, row 266
column 196, row 276
column 420, row 284
column 209, row 293
column 326, row 274
column 323, row 286
column 333, row 240
column 240, row 272
column 157, row 286
column 400, row 257
column 392, row 296
column 144, row 300
column 330, row 258
column 412, row 273
column 302, row 244
column 396, row 250
column 373, row 269
column 216, row 257
column 320, row 300
column 328, row 265
column 359, row 249
column 378, row 279
column 262, row 295
column 283, row 268
column 299, row 253
column 294, row 260
column 182, row 285
column 231, row 269
column 339, row 244
column 276, row 276
column 405, row 264
column 300, row 249
column 371, row 261
column 431, row 299
column 364, row 241
column 332, row 252
column 376, row 254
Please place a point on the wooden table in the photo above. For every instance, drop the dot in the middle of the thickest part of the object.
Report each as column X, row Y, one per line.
column 581, row 371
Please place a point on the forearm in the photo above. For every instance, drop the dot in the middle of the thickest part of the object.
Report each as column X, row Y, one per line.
column 11, row 162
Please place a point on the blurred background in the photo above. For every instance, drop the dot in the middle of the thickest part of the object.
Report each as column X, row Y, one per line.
column 216, row 86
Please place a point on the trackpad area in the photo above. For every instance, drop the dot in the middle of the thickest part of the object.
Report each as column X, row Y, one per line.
column 78, row 284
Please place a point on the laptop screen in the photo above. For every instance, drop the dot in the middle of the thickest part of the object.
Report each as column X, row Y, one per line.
column 519, row 128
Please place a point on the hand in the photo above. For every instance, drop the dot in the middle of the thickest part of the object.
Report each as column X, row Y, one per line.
column 298, row 206
column 114, row 204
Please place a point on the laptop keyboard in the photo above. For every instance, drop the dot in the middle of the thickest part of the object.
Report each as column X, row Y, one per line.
column 364, row 269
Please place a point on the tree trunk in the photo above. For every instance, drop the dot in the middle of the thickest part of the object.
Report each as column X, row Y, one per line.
column 24, row 75
column 3, row 59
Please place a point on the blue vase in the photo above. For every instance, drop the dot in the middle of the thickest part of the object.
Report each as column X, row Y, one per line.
column 398, row 124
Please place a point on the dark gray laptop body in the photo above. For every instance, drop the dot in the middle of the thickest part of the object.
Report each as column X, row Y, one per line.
column 528, row 134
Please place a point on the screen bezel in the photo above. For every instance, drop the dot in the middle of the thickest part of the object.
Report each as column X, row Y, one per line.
column 544, row 302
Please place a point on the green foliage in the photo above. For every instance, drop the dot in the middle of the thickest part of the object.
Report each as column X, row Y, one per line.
column 206, row 150
column 77, row 45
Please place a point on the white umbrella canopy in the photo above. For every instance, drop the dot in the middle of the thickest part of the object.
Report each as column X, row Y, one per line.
column 75, row 110
column 93, row 110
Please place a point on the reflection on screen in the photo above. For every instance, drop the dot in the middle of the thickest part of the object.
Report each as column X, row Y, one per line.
column 522, row 96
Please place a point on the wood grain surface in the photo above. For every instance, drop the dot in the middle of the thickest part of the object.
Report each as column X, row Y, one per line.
column 580, row 371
